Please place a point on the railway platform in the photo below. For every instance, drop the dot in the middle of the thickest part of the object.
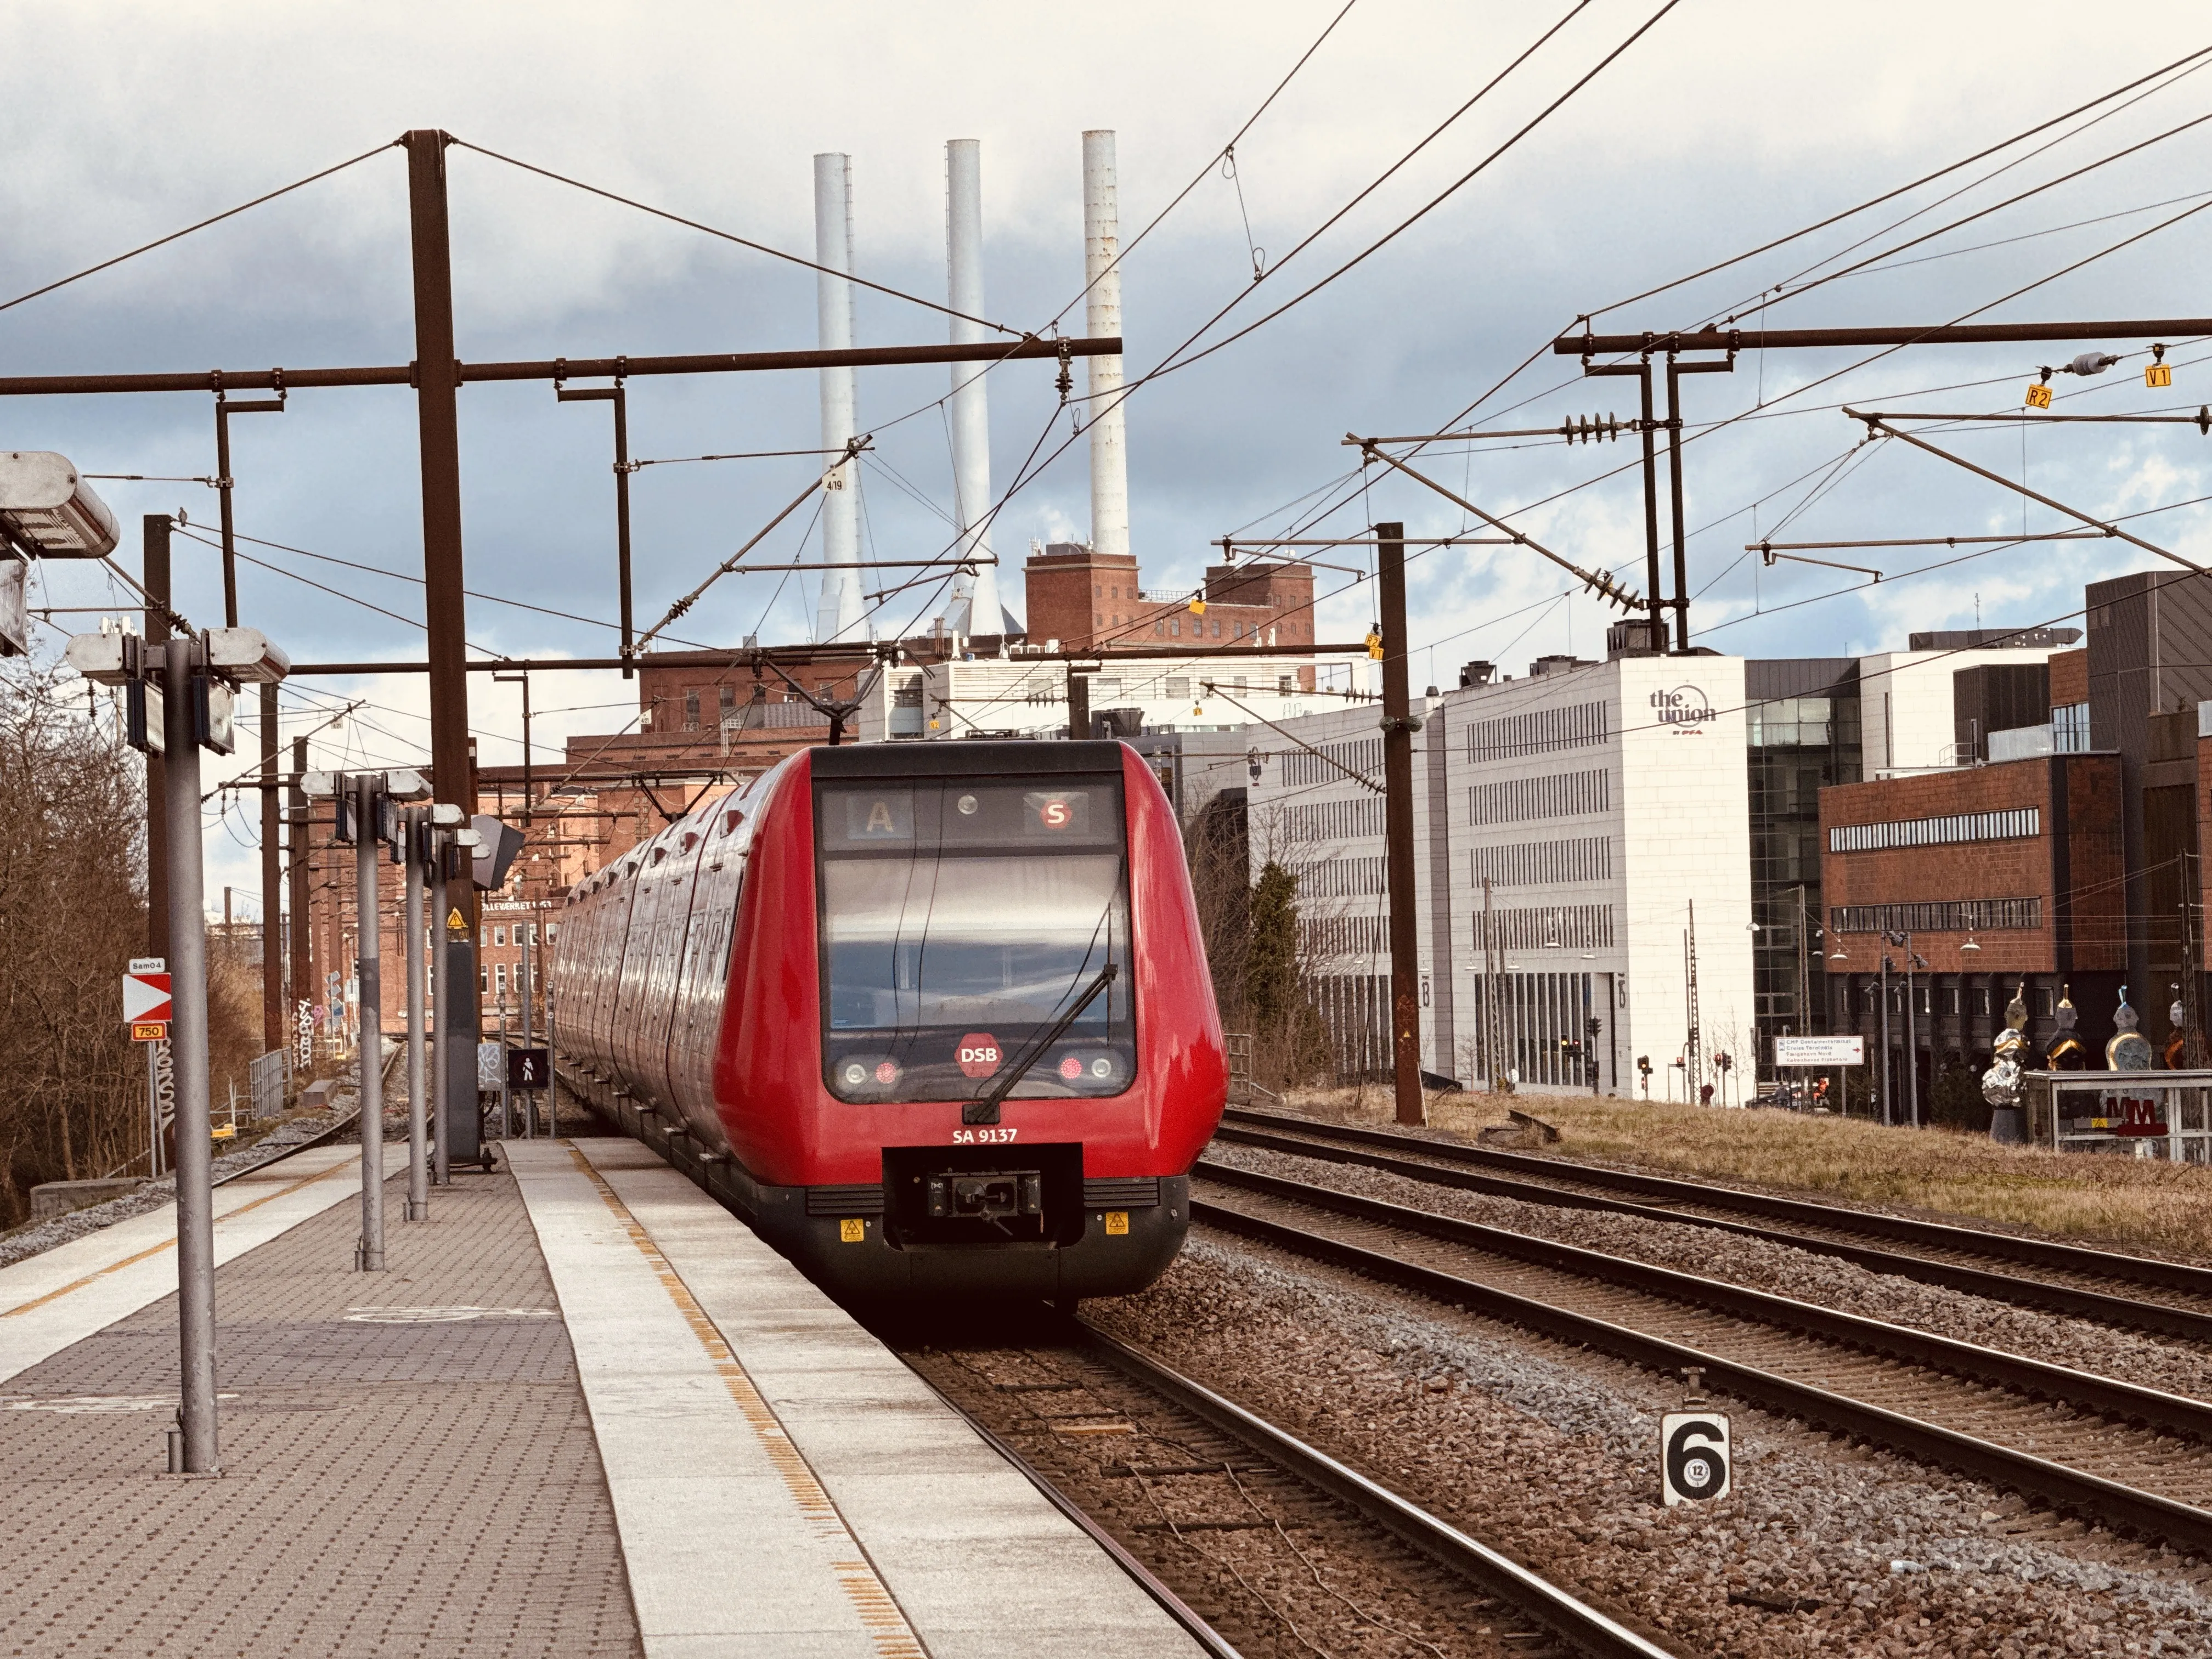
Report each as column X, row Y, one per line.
column 584, row 1412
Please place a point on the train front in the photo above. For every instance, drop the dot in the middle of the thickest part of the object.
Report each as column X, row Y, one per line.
column 995, row 1016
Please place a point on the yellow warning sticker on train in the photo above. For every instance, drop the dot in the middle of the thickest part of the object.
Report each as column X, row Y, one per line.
column 852, row 1231
column 1117, row 1222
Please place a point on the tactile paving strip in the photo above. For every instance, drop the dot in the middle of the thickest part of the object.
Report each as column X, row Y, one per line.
column 420, row 1477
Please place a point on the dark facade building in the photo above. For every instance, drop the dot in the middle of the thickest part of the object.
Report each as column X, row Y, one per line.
column 1802, row 735
column 2006, row 878
column 2150, row 665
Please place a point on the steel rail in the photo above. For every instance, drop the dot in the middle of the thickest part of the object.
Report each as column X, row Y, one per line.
column 317, row 1139
column 2106, row 1502
column 1582, row 1626
column 2185, row 1322
column 1173, row 1604
column 2070, row 1258
column 2124, row 1402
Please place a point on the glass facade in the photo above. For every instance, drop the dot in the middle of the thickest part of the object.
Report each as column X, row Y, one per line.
column 1801, row 734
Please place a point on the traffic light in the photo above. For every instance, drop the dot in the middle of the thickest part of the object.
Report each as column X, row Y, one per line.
column 1643, row 1064
column 1722, row 1062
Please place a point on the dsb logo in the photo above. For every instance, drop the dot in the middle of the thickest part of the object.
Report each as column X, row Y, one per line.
column 978, row 1054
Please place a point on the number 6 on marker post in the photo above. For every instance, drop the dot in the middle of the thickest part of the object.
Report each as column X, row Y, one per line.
column 1694, row 1461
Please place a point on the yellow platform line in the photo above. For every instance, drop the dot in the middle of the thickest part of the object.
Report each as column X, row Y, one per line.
column 167, row 1243
column 894, row 1637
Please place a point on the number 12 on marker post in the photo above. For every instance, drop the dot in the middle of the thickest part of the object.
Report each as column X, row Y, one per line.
column 1693, row 1457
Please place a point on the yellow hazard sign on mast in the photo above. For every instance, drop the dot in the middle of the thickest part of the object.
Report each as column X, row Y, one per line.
column 454, row 923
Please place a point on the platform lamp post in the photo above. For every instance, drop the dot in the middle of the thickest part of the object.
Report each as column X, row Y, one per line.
column 1843, row 1100
column 185, row 690
column 1903, row 941
column 367, row 813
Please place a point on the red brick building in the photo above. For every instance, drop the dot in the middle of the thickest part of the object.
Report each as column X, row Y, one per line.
column 1088, row 600
column 2021, row 859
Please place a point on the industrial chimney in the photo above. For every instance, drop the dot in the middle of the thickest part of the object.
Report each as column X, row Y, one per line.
column 975, row 610
column 1102, row 272
column 837, row 611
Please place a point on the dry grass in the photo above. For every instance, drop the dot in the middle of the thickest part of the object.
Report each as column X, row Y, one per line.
column 2123, row 1203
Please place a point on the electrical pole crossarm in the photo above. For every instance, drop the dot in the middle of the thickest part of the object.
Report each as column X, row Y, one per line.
column 1597, row 581
column 1878, row 425
column 1764, row 339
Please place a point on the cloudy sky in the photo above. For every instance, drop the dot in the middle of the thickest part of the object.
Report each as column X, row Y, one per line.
column 1724, row 126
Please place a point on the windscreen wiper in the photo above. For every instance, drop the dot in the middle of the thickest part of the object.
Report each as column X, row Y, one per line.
column 986, row 1111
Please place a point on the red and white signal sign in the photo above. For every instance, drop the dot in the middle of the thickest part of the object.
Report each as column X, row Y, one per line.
column 145, row 1000
column 978, row 1054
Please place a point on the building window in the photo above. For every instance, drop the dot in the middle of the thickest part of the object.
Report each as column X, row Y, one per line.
column 499, row 937
column 1945, row 917
column 1981, row 999
column 691, row 708
column 483, row 979
column 1178, row 686
column 1098, row 590
column 1950, row 999
column 2012, row 825
column 1286, row 683
column 2043, row 1007
column 1175, row 627
column 1217, row 628
column 1159, row 629
column 729, row 698
column 552, row 932
column 2070, row 729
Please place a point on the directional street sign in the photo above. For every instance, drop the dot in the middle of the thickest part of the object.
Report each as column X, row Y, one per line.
column 145, row 999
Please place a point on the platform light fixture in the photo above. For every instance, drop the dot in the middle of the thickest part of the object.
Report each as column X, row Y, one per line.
column 47, row 509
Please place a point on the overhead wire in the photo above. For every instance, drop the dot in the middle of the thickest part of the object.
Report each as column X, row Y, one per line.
column 175, row 236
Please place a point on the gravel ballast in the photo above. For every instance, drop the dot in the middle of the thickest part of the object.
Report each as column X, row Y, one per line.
column 1553, row 1454
column 2176, row 1365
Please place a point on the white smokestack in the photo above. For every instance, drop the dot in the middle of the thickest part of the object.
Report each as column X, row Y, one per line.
column 975, row 604
column 1102, row 249
column 837, row 612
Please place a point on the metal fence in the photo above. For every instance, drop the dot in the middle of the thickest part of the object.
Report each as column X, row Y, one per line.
column 268, row 1074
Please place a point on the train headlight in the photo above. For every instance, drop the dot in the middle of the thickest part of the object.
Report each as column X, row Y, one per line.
column 967, row 804
column 1102, row 1067
column 854, row 1074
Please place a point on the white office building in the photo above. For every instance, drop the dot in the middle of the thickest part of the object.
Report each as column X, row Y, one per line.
column 1606, row 807
column 1026, row 696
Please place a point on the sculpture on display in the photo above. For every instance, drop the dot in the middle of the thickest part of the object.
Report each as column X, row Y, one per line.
column 2066, row 1051
column 2130, row 1051
column 2001, row 1084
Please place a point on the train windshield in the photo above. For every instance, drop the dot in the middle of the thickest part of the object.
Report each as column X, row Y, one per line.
column 960, row 921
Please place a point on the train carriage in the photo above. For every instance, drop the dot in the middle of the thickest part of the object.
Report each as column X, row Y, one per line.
column 932, row 1017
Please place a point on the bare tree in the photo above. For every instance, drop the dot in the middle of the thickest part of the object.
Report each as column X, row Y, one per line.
column 72, row 913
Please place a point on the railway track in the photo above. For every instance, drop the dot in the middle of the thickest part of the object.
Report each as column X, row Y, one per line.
column 2132, row 1459
column 2062, row 1278
column 1225, row 1518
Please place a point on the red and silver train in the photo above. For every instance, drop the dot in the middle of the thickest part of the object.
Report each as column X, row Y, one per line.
column 932, row 1017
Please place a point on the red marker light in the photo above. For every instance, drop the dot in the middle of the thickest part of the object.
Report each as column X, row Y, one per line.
column 1070, row 1068
column 887, row 1073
